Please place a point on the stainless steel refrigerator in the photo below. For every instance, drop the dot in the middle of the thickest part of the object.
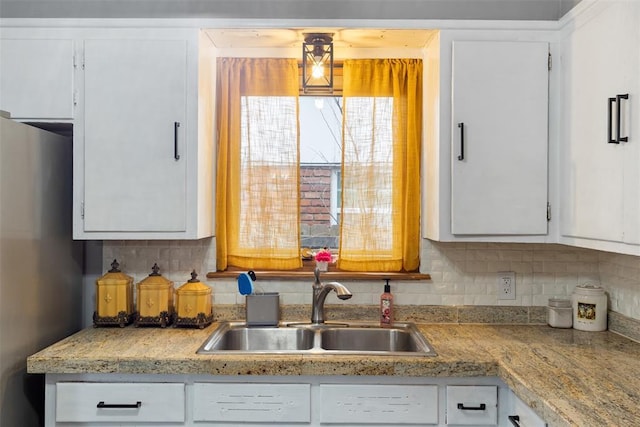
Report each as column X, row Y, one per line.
column 40, row 265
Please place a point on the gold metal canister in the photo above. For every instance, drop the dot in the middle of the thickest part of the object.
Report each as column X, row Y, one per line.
column 114, row 298
column 193, row 304
column 155, row 300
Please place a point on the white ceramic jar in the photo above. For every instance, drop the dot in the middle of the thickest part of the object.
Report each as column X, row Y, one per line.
column 589, row 308
column 559, row 313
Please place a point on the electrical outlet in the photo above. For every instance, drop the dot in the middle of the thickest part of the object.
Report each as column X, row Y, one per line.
column 506, row 285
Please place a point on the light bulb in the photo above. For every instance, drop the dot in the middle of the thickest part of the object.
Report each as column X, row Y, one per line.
column 317, row 71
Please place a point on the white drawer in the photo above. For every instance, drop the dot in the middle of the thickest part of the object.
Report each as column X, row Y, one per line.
column 120, row 402
column 472, row 405
column 258, row 403
column 379, row 404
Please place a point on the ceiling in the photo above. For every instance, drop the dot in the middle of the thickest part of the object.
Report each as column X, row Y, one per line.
column 545, row 10
column 342, row 37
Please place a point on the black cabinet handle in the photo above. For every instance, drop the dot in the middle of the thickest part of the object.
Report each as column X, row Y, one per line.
column 618, row 108
column 103, row 405
column 176, row 125
column 515, row 420
column 610, row 138
column 482, row 407
column 461, row 126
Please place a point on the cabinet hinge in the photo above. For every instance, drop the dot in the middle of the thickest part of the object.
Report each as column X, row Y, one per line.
column 549, row 61
column 75, row 97
column 548, row 211
column 82, row 210
column 75, row 60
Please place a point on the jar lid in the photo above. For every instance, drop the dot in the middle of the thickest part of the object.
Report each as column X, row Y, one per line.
column 114, row 276
column 559, row 303
column 589, row 289
column 155, row 279
column 193, row 286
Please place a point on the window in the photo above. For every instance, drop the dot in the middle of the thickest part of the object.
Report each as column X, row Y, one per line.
column 370, row 197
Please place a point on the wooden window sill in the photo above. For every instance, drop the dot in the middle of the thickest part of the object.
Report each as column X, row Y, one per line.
column 306, row 272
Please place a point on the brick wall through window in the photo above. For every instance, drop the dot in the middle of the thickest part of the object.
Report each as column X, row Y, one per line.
column 318, row 220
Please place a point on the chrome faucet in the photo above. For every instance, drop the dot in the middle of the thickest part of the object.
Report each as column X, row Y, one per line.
column 320, row 293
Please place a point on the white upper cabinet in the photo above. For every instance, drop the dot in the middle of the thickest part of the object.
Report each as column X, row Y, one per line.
column 144, row 156
column 499, row 164
column 37, row 78
column 600, row 156
column 135, row 159
column 486, row 172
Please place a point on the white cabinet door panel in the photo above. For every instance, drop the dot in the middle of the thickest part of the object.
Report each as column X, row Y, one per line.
column 379, row 404
column 134, row 143
column 36, row 78
column 526, row 416
column 255, row 403
column 600, row 179
column 499, row 171
column 593, row 169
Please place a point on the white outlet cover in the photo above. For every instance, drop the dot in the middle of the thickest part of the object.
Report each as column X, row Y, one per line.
column 506, row 285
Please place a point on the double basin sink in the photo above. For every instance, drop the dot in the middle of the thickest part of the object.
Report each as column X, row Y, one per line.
column 325, row 338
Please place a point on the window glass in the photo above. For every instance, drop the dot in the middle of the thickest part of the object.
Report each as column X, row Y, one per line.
column 320, row 163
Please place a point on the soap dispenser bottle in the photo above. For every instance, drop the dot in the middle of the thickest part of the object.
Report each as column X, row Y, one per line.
column 386, row 306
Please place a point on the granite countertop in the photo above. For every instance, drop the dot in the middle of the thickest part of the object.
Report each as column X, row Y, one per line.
column 569, row 377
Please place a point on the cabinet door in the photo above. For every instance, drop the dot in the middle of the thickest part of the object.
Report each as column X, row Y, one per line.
column 600, row 181
column 378, row 404
column 630, row 124
column 252, row 403
column 525, row 415
column 499, row 144
column 134, row 141
column 36, row 78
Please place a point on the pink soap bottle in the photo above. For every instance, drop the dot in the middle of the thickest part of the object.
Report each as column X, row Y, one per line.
column 386, row 306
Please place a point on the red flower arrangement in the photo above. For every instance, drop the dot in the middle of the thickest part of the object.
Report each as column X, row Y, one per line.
column 323, row 255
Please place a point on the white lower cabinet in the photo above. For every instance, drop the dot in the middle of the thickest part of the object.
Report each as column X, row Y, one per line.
column 104, row 400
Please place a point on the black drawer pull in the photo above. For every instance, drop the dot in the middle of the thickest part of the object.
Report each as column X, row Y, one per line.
column 610, row 138
column 619, row 99
column 482, row 407
column 515, row 420
column 176, row 125
column 103, row 405
column 461, row 126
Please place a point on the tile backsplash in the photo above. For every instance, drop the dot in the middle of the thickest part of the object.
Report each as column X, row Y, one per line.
column 461, row 273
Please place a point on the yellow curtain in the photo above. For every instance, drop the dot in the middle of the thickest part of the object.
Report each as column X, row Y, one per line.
column 257, row 207
column 382, row 125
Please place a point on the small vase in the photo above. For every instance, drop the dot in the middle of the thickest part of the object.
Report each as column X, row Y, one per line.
column 322, row 265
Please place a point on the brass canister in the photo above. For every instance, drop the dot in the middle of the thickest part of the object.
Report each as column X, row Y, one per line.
column 114, row 298
column 154, row 300
column 193, row 304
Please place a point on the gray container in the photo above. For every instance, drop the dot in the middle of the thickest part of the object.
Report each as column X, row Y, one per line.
column 263, row 309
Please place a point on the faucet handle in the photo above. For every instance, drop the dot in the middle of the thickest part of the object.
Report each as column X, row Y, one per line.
column 316, row 273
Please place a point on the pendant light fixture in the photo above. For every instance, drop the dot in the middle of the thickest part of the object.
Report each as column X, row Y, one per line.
column 317, row 63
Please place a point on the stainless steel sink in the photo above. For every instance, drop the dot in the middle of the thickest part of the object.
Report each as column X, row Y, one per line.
column 232, row 337
column 369, row 339
column 301, row 338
